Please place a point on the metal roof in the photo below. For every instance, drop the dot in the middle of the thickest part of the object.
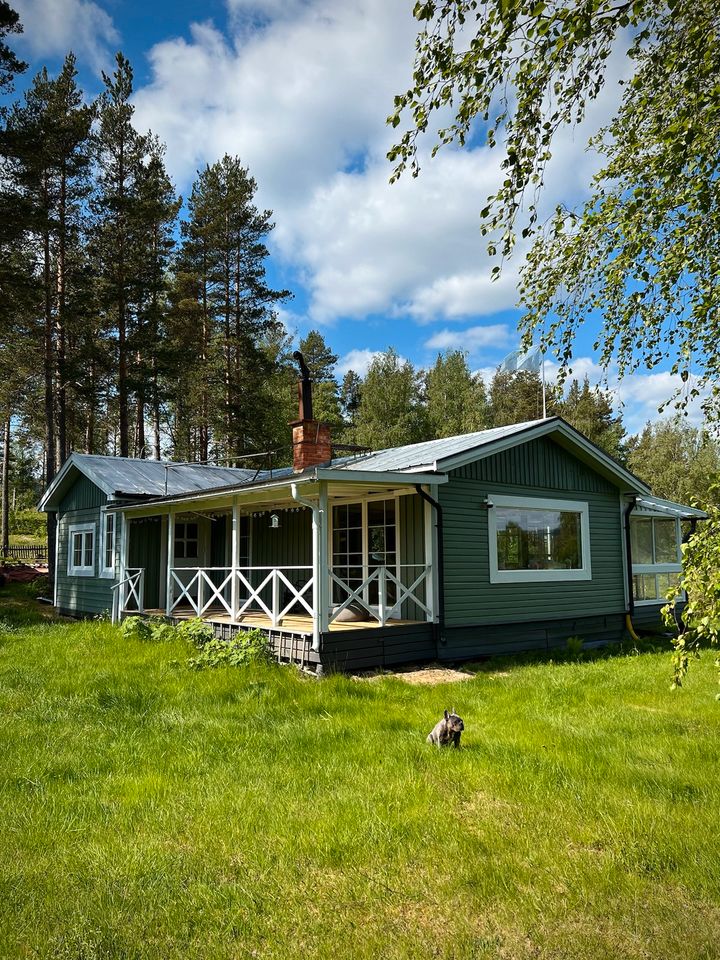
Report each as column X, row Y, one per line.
column 424, row 456
column 669, row 508
column 156, row 478
column 132, row 477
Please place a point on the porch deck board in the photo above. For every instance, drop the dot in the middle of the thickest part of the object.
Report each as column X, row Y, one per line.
column 290, row 623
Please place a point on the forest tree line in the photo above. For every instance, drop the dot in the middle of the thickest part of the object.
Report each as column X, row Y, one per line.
column 135, row 324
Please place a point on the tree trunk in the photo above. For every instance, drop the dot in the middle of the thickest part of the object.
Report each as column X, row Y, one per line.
column 5, row 520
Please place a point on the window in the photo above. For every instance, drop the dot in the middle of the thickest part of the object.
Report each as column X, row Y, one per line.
column 186, row 541
column 81, row 550
column 364, row 538
column 536, row 539
column 107, row 564
column 656, row 557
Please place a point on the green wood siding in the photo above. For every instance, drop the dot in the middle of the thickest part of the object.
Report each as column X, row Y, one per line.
column 83, row 495
column 538, row 468
column 290, row 545
column 379, row 647
column 81, row 595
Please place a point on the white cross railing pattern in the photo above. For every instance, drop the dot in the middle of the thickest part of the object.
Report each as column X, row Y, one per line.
column 388, row 607
column 278, row 591
column 198, row 589
column 127, row 590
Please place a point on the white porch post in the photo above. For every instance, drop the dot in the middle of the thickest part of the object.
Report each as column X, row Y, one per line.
column 170, row 561
column 430, row 556
column 322, row 596
column 124, row 551
column 234, row 560
column 320, row 602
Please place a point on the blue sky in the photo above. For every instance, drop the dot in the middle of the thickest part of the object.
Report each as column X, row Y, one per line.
column 300, row 89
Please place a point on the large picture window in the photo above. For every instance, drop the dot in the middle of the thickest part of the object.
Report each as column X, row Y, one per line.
column 656, row 557
column 537, row 539
column 81, row 550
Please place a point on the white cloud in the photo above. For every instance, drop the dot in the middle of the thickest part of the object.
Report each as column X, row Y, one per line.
column 303, row 102
column 357, row 360
column 53, row 27
column 472, row 339
column 300, row 93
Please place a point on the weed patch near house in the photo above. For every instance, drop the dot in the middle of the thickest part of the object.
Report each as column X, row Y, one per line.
column 150, row 811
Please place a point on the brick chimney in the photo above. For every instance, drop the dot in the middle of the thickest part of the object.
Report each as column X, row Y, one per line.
column 311, row 439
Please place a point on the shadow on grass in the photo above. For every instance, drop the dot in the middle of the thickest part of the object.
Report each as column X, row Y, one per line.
column 652, row 643
column 19, row 606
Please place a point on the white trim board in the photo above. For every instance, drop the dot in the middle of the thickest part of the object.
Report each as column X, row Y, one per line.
column 539, row 576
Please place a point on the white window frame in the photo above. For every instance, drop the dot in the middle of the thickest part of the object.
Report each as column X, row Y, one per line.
column 396, row 568
column 104, row 517
column 74, row 530
column 538, row 576
column 650, row 569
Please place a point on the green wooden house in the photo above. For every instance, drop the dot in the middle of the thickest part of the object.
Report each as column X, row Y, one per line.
column 509, row 539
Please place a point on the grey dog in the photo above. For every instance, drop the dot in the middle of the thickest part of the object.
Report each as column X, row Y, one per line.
column 447, row 731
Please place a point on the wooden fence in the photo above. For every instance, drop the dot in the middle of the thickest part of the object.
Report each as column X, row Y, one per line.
column 28, row 551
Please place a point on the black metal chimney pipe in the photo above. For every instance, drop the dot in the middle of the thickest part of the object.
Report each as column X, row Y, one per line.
column 305, row 392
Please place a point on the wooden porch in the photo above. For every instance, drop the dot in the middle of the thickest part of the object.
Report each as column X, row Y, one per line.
column 302, row 625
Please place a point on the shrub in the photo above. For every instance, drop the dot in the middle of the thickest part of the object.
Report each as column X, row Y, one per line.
column 29, row 523
column 136, row 628
column 246, row 647
column 195, row 631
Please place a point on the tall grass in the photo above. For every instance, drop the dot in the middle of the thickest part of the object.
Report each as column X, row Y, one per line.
column 149, row 811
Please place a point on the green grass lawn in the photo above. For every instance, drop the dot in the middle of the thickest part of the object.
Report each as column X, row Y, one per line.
column 149, row 811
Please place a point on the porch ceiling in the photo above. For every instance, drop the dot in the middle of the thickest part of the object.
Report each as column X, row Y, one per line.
column 278, row 495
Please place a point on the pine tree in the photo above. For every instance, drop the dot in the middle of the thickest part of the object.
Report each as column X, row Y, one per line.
column 120, row 151
column 156, row 211
column 350, row 398
column 10, row 65
column 516, row 397
column 678, row 461
column 223, row 257
column 391, row 411
column 457, row 401
column 590, row 411
column 321, row 363
column 46, row 162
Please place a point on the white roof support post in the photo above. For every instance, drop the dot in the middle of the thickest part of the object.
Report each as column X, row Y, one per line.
column 319, row 530
column 323, row 585
column 124, row 552
column 430, row 530
column 234, row 560
column 170, row 561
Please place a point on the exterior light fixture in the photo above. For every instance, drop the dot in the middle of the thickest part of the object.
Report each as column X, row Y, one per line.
column 274, row 521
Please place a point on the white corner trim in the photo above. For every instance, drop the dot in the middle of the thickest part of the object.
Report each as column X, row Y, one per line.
column 538, row 576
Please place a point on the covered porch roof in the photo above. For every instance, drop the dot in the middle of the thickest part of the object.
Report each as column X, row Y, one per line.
column 340, row 485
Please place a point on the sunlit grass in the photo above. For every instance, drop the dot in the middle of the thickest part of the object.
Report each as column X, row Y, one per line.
column 150, row 811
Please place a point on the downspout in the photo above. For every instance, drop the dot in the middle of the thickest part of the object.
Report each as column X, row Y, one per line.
column 439, row 627
column 628, row 550
column 317, row 533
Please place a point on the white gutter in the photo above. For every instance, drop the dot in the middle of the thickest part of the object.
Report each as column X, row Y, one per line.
column 317, row 535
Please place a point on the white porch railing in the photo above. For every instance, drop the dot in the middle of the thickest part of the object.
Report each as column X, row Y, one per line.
column 127, row 590
column 392, row 592
column 276, row 592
